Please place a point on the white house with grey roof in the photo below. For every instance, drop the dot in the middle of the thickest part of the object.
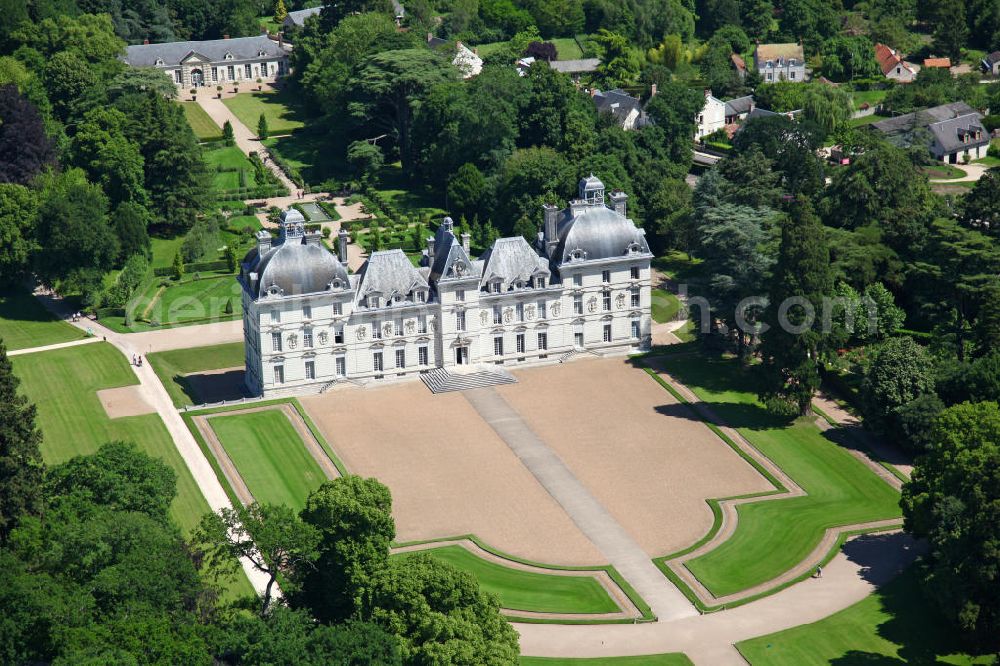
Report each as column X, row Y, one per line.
column 584, row 286
column 951, row 132
column 213, row 62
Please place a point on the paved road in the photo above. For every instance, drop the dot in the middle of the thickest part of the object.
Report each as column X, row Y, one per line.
column 708, row 639
column 590, row 516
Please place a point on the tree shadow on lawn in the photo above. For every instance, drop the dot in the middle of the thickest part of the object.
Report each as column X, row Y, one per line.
column 856, row 438
column 19, row 305
column 726, row 414
column 923, row 635
column 321, row 157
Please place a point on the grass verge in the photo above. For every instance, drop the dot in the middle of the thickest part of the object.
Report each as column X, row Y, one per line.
column 172, row 366
column 201, row 123
column 668, row 659
column 277, row 107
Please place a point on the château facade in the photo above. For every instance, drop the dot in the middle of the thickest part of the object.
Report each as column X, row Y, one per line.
column 308, row 323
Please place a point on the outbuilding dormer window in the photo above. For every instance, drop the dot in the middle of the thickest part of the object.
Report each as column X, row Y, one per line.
column 159, row 62
column 229, row 56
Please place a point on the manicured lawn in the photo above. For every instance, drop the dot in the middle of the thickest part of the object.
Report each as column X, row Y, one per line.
column 567, row 48
column 197, row 300
column 772, row 536
column 64, row 384
column 671, row 659
column 392, row 184
column 870, row 97
column 941, row 171
column 270, row 456
column 171, row 366
column 527, row 590
column 988, row 161
column 281, row 118
column 164, row 250
column 312, row 153
column 202, row 124
column 25, row 323
column 894, row 625
column 866, row 120
column 228, row 157
column 665, row 306
column 679, row 266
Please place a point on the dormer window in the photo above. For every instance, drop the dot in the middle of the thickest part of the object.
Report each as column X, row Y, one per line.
column 229, row 56
column 540, row 282
column 519, row 284
column 336, row 284
column 421, row 297
column 496, row 286
column 260, row 54
column 159, row 62
column 634, row 248
column 374, row 301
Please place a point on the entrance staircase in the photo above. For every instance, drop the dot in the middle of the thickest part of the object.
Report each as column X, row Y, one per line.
column 440, row 380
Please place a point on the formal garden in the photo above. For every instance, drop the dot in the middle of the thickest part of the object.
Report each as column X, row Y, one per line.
column 773, row 536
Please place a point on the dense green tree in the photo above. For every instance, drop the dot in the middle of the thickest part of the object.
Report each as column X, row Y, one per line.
column 467, row 190
column 557, row 18
column 915, row 422
column 900, row 371
column 791, row 146
column 391, row 85
column 950, row 28
column 270, row 536
column 111, row 159
column 827, row 107
column 809, row 20
column 366, row 158
column 619, row 61
column 137, row 80
column 262, row 131
column 228, row 137
column 953, row 501
column 668, row 215
column 354, row 520
column 21, row 467
column 757, row 18
column 980, row 208
column 119, row 477
column 335, row 12
column 74, row 230
column 18, row 211
column 794, row 337
column 550, row 109
column 530, row 178
column 846, row 58
column 25, row 150
column 439, row 613
column 673, row 110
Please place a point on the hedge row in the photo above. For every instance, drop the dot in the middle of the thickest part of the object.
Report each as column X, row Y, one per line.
column 195, row 267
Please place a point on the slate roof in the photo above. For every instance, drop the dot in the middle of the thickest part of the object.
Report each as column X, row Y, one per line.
column 618, row 103
column 959, row 133
column 171, row 53
column 511, row 259
column 739, row 106
column 575, row 66
column 992, row 59
column 293, row 264
column 923, row 118
column 447, row 251
column 599, row 232
column 299, row 16
column 389, row 272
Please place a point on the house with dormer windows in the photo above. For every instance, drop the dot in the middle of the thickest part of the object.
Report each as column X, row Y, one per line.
column 582, row 286
column 780, row 62
column 213, row 62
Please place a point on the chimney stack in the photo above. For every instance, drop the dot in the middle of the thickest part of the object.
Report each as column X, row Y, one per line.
column 342, row 246
column 652, row 90
column 313, row 237
column 263, row 242
column 225, row 36
column 618, row 199
column 550, row 215
column 430, row 249
column 146, row 41
column 465, row 241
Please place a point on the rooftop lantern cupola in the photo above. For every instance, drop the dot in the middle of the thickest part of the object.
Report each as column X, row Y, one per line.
column 592, row 190
column 292, row 224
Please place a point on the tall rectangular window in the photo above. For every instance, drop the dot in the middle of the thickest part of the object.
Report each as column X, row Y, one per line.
column 634, row 296
column 248, row 71
column 635, row 328
column 460, row 320
column 519, row 341
column 496, row 286
column 178, row 76
column 307, row 312
column 422, row 324
column 578, row 279
column 275, row 316
column 279, row 374
column 605, row 276
column 231, row 71
column 307, row 338
column 422, row 355
column 540, row 282
column 635, row 272
column 541, row 310
column 338, row 335
column 607, row 332
column 497, row 315
column 606, row 300
column 520, row 311
column 338, row 309
column 498, row 346
column 377, row 361
column 460, row 295
column 310, row 370
column 399, row 327
column 543, row 341
column 276, row 341
column 401, row 358
column 377, row 330
column 215, row 73
column 341, row 366
column 577, row 303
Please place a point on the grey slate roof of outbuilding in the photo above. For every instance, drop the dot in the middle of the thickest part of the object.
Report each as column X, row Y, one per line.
column 447, row 250
column 617, row 102
column 389, row 272
column 575, row 66
column 299, row 16
column 511, row 259
column 171, row 53
column 294, row 265
column 599, row 232
column 992, row 58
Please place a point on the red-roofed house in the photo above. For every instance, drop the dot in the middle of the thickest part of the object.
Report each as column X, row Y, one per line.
column 893, row 66
column 938, row 62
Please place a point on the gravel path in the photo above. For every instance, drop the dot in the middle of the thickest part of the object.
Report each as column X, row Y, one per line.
column 58, row 345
